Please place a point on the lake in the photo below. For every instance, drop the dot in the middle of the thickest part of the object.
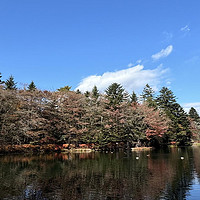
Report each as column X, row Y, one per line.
column 172, row 173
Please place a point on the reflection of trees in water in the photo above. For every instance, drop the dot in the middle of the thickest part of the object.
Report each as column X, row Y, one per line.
column 96, row 176
column 182, row 180
column 196, row 150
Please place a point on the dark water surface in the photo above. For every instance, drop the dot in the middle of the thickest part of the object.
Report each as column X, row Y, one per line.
column 155, row 175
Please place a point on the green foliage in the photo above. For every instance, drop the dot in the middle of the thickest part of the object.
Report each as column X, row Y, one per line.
column 193, row 114
column 180, row 125
column 32, row 86
column 115, row 94
column 10, row 84
column 87, row 94
column 133, row 97
column 95, row 92
column 166, row 99
column 78, row 91
column 148, row 96
column 195, row 124
column 1, row 82
column 65, row 89
column 179, row 130
column 147, row 93
column 54, row 117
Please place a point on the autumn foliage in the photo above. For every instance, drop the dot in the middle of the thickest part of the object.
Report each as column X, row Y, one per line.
column 69, row 118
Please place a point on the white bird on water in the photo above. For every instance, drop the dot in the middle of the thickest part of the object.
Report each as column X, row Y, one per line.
column 137, row 157
column 182, row 158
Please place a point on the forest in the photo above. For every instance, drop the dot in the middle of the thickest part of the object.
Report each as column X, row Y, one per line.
column 110, row 120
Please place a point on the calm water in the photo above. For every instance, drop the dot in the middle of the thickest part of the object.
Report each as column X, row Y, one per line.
column 155, row 175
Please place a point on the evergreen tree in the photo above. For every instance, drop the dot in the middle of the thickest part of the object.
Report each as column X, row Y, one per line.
column 133, row 97
column 193, row 114
column 147, row 92
column 64, row 89
column 32, row 86
column 115, row 94
column 195, row 123
column 179, row 130
column 87, row 94
column 1, row 82
column 166, row 99
column 180, row 127
column 148, row 96
column 78, row 91
column 10, row 84
column 95, row 92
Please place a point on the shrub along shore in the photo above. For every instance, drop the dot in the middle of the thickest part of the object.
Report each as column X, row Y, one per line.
column 41, row 121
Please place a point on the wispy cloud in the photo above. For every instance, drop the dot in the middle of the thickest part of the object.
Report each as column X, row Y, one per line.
column 134, row 78
column 130, row 65
column 185, row 29
column 135, row 63
column 167, row 36
column 195, row 105
column 138, row 61
column 163, row 53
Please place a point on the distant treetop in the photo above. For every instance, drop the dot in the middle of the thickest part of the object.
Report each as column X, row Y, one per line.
column 65, row 89
column 10, row 84
column 32, row 86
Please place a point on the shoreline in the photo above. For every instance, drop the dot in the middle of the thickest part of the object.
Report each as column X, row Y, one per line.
column 48, row 148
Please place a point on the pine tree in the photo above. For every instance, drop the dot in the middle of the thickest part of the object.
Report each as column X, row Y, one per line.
column 1, row 82
column 95, row 92
column 133, row 97
column 193, row 114
column 10, row 84
column 195, row 123
column 87, row 94
column 180, row 127
column 179, row 130
column 147, row 92
column 148, row 96
column 78, row 91
column 115, row 94
column 32, row 86
column 166, row 99
column 64, row 89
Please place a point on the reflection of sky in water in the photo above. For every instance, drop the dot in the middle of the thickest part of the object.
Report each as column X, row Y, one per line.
column 155, row 175
column 31, row 193
column 194, row 192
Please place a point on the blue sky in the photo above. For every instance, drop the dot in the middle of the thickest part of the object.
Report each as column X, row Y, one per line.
column 82, row 43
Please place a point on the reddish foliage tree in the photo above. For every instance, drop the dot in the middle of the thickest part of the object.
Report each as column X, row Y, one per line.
column 157, row 123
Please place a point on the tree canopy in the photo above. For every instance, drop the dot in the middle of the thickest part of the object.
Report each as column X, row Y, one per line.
column 115, row 94
column 32, row 86
column 46, row 117
column 10, row 84
column 194, row 114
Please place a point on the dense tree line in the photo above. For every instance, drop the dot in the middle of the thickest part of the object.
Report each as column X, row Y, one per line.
column 110, row 120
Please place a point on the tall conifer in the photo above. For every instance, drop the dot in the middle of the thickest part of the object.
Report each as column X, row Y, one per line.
column 10, row 84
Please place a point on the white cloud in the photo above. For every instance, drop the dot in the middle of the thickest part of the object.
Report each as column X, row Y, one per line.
column 138, row 61
column 168, row 83
column 130, row 65
column 163, row 53
column 185, row 29
column 195, row 105
column 134, row 78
